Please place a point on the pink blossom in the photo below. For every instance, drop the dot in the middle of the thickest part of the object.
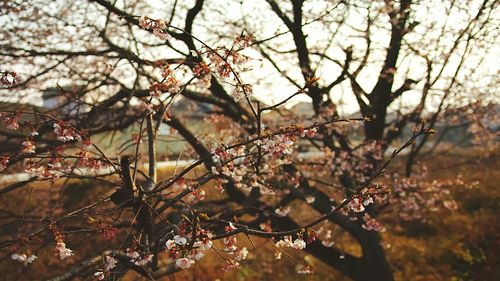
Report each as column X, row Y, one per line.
column 203, row 245
column 4, row 161
column 231, row 227
column 311, row 132
column 145, row 22
column 138, row 259
column 231, row 266
column 28, row 146
column 303, row 269
column 180, row 240
column 184, row 263
column 161, row 24
column 242, row 41
column 180, row 185
column 279, row 144
column 285, row 242
column 12, row 124
column 11, row 121
column 368, row 201
column 356, row 205
column 214, row 170
column 229, row 243
column 133, row 254
column 372, row 224
column 196, row 196
column 198, row 255
column 162, row 35
column 65, row 133
column 145, row 260
column 158, row 27
column 110, row 263
column 62, row 251
column 170, row 244
column 327, row 243
column 109, row 232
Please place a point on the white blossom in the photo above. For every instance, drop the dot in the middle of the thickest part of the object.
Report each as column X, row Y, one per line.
column 180, row 240
column 99, row 275
column 23, row 258
column 282, row 211
column 241, row 254
column 299, row 244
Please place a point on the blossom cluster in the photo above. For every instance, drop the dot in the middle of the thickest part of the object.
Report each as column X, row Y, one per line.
column 23, row 258
column 109, row 263
column 230, row 247
column 4, row 161
column 298, row 243
column 226, row 164
column 11, row 120
column 359, row 163
column 157, row 26
column 358, row 203
column 273, row 150
column 52, row 168
column 240, row 91
column 413, row 196
column 304, row 269
column 282, row 212
column 28, row 146
column 169, row 83
column 86, row 160
column 279, row 144
column 60, row 250
column 372, row 224
column 225, row 63
column 326, row 237
column 178, row 247
column 185, row 256
column 138, row 258
column 66, row 133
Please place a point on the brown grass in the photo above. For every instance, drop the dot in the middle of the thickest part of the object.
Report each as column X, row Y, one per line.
column 448, row 245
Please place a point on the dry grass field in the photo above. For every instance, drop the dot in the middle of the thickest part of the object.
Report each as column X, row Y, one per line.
column 446, row 245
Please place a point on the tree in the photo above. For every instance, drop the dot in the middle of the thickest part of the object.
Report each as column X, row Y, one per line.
column 115, row 65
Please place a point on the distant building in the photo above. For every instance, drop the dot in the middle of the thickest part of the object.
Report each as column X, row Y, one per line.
column 303, row 109
column 56, row 98
column 193, row 110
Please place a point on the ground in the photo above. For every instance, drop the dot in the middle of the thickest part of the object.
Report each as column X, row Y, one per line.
column 448, row 245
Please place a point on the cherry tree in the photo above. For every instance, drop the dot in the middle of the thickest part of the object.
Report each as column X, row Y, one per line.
column 119, row 65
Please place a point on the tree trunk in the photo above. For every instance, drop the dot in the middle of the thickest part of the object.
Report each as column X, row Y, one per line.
column 374, row 265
